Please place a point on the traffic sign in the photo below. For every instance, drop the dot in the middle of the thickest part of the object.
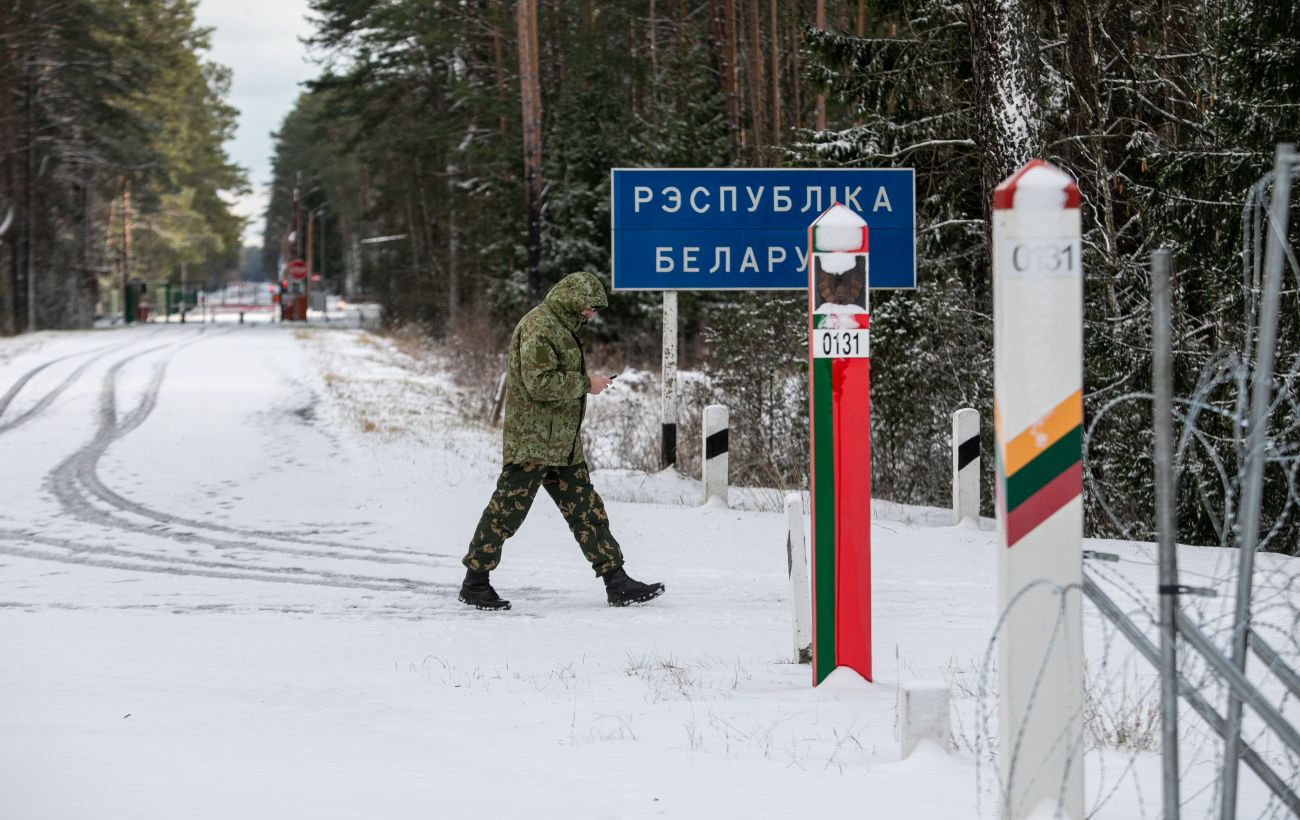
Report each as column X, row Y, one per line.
column 747, row 228
column 297, row 269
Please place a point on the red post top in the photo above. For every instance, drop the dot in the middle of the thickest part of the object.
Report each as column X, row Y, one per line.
column 1047, row 183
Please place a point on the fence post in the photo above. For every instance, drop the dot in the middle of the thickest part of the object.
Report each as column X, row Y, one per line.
column 715, row 463
column 924, row 715
column 1038, row 381
column 800, row 593
column 965, row 465
column 1166, row 526
column 1253, row 481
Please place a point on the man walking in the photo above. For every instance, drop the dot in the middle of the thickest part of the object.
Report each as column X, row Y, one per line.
column 546, row 398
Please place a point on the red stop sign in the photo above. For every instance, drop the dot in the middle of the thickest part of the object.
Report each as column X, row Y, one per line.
column 297, row 269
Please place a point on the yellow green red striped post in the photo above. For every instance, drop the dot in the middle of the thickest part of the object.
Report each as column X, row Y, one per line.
column 1038, row 422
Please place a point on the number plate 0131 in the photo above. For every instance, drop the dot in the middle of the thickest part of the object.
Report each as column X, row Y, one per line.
column 841, row 343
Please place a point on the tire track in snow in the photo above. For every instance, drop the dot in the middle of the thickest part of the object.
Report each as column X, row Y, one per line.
column 45, row 401
column 87, row 474
column 76, row 477
column 102, row 557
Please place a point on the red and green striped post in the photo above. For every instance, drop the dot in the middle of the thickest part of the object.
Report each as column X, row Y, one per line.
column 840, row 374
column 1038, row 419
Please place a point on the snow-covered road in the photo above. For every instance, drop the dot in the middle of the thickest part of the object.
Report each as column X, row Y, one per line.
column 228, row 564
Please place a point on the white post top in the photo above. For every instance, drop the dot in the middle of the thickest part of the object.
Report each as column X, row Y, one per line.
column 839, row 229
column 839, row 216
column 1037, row 185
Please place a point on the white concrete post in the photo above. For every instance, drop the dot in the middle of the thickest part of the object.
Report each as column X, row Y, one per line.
column 715, row 462
column 800, row 593
column 965, row 465
column 923, row 715
column 1037, row 389
column 668, row 371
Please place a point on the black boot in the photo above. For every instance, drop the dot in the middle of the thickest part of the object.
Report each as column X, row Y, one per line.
column 478, row 593
column 621, row 590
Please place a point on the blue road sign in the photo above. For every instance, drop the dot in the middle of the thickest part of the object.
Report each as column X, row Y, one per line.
column 747, row 228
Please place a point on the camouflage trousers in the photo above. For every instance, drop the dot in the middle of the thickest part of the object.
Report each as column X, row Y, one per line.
column 570, row 488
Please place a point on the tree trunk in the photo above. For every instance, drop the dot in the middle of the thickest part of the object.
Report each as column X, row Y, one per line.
column 755, row 83
column 774, row 40
column 1004, row 62
column 722, row 20
column 530, row 96
column 84, row 286
column 796, row 76
column 654, row 46
column 8, row 183
column 453, row 255
column 820, row 22
column 733, row 68
column 499, row 65
column 29, row 180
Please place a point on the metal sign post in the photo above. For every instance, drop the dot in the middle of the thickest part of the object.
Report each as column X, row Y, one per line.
column 1038, row 417
column 668, row 371
column 840, row 350
column 293, row 303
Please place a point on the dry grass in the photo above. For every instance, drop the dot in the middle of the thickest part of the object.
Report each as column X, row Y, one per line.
column 1126, row 716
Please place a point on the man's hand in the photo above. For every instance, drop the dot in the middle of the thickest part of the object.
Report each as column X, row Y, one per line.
column 599, row 385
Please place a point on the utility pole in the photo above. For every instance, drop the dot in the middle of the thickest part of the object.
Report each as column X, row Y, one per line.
column 297, row 233
column 127, row 304
column 322, row 243
column 311, row 219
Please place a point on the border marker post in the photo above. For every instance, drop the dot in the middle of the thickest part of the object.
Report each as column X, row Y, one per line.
column 1038, row 419
column 714, row 464
column 840, row 372
column 965, row 465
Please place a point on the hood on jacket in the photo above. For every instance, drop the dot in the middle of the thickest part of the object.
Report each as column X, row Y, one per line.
column 573, row 294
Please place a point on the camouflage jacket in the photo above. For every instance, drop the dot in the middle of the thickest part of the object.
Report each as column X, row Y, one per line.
column 546, row 376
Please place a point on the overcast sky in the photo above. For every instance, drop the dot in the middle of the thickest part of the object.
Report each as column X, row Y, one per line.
column 259, row 41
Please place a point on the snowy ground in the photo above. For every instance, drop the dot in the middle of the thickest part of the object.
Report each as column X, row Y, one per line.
column 228, row 563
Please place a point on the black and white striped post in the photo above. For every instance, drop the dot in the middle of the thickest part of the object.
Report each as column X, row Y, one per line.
column 715, row 453
column 965, row 465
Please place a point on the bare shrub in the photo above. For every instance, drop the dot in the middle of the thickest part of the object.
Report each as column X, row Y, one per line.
column 1125, row 717
column 758, row 365
column 476, row 352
